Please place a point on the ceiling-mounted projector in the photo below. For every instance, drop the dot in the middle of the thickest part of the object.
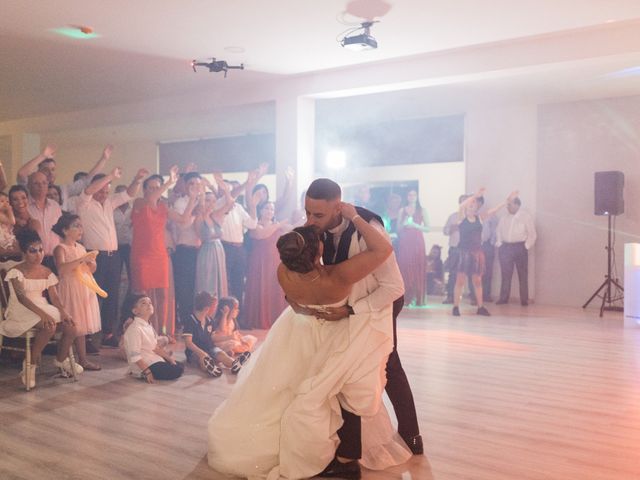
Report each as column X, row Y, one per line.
column 362, row 41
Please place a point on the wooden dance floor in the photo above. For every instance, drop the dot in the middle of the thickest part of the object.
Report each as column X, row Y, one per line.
column 527, row 394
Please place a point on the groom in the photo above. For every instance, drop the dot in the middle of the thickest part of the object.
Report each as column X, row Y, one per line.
column 384, row 286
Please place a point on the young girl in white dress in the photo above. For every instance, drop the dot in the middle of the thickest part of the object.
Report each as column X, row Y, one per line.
column 28, row 308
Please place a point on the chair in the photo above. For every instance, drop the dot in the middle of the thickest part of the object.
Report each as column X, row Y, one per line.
column 28, row 336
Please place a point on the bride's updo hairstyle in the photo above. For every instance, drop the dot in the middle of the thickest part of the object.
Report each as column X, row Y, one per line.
column 299, row 248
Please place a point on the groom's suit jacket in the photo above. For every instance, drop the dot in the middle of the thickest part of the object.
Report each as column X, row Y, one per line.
column 378, row 290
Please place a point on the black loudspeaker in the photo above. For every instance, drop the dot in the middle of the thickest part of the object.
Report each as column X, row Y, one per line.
column 608, row 193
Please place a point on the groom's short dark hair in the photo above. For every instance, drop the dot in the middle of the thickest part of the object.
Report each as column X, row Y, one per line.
column 324, row 189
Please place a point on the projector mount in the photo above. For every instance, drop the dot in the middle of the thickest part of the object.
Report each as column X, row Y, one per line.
column 363, row 40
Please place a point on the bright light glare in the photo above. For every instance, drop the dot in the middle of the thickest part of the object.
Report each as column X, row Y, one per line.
column 336, row 159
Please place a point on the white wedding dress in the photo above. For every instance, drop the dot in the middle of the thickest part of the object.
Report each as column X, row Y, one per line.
column 281, row 419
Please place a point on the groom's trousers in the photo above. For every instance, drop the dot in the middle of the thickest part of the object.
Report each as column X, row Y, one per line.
column 399, row 393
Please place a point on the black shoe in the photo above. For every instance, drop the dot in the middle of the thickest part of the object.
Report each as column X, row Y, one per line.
column 524, row 304
column 484, row 312
column 415, row 445
column 501, row 302
column 110, row 342
column 456, row 312
column 447, row 301
column 341, row 470
column 91, row 349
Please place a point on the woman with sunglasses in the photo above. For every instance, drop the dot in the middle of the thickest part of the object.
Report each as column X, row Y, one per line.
column 28, row 308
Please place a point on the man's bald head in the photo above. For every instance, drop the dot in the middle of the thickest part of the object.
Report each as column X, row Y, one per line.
column 38, row 185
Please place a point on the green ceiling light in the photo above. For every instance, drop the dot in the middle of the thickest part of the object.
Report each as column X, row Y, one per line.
column 76, row 31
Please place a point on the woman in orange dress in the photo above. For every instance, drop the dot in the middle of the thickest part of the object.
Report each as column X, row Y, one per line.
column 149, row 258
column 412, row 260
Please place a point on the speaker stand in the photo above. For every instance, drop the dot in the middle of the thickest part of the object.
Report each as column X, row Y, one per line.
column 604, row 291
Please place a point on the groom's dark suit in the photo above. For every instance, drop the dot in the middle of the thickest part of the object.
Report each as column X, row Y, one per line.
column 397, row 386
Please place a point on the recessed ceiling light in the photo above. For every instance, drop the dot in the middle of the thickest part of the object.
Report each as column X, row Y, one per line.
column 234, row 49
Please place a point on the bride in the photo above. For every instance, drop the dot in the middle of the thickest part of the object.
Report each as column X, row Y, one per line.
column 281, row 419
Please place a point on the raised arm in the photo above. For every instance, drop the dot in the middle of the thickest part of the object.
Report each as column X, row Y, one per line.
column 134, row 186
column 99, row 184
column 497, row 208
column 173, row 177
column 185, row 217
column 32, row 165
column 463, row 206
column 102, row 161
column 4, row 183
column 362, row 264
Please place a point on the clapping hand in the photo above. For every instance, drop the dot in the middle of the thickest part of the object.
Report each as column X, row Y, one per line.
column 116, row 172
column 106, row 153
column 262, row 169
column 173, row 174
column 143, row 172
column 289, row 174
column 49, row 151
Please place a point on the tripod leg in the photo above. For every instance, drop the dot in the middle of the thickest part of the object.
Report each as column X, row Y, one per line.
column 615, row 282
column 605, row 298
column 604, row 284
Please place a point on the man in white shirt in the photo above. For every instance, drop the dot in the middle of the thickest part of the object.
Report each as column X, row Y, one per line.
column 95, row 207
column 47, row 212
column 122, row 220
column 232, row 235
column 516, row 234
column 46, row 164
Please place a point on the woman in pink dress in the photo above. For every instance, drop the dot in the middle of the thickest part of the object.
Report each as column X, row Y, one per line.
column 412, row 260
column 78, row 300
column 264, row 299
column 149, row 258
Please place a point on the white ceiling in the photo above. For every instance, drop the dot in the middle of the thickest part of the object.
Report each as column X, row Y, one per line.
column 145, row 46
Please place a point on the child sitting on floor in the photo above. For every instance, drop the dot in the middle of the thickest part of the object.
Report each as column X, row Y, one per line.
column 226, row 335
column 199, row 347
column 146, row 358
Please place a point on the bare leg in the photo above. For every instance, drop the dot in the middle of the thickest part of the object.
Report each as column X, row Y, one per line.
column 477, row 284
column 42, row 338
column 81, row 349
column 162, row 310
column 225, row 359
column 461, row 279
column 68, row 336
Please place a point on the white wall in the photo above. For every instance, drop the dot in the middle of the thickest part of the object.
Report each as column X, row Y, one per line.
column 500, row 153
column 574, row 141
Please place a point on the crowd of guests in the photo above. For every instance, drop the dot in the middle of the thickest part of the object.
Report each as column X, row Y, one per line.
column 63, row 249
column 475, row 234
column 200, row 259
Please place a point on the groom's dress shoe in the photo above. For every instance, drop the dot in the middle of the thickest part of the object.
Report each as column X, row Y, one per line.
column 338, row 469
column 415, row 444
